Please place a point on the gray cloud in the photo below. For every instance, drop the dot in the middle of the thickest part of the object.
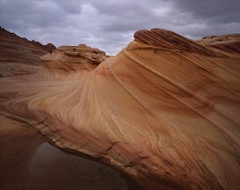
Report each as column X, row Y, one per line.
column 221, row 11
column 110, row 24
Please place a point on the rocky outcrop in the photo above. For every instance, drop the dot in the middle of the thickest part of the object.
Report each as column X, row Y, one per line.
column 165, row 110
column 67, row 59
column 225, row 44
column 20, row 56
column 170, row 41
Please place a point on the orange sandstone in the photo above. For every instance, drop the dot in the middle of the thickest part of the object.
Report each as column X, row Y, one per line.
column 165, row 110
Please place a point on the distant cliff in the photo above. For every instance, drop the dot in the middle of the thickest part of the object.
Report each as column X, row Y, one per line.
column 18, row 55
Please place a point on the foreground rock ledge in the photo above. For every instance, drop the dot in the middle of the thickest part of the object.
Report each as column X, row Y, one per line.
column 165, row 110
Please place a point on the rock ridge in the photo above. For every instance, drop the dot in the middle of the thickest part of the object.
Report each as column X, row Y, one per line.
column 166, row 39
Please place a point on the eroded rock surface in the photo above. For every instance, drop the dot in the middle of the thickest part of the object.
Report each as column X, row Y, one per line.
column 226, row 44
column 165, row 110
column 68, row 59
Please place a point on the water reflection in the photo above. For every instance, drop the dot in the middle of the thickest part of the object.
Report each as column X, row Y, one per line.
column 51, row 168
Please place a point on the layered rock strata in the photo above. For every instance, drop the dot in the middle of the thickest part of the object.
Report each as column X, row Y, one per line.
column 226, row 44
column 165, row 110
column 19, row 56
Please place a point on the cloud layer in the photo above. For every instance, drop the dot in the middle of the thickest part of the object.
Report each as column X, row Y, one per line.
column 110, row 24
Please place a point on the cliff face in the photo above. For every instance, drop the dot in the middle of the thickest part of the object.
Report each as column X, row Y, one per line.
column 20, row 56
column 165, row 110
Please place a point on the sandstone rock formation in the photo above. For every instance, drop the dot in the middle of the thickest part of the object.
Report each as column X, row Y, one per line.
column 20, row 56
column 226, row 44
column 165, row 110
column 72, row 58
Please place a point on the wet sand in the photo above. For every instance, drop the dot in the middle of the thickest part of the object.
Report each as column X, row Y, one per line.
column 28, row 161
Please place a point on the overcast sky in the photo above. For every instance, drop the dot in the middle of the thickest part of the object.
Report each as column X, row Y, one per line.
column 110, row 24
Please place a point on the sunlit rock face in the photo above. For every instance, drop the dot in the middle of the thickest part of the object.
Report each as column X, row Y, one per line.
column 165, row 110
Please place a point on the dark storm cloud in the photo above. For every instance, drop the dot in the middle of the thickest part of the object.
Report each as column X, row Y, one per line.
column 222, row 11
column 215, row 16
column 110, row 24
column 22, row 14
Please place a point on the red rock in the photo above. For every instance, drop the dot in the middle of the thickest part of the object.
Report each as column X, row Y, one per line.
column 165, row 110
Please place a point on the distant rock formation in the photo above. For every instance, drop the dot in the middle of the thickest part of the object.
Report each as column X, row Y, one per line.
column 226, row 44
column 20, row 56
column 72, row 58
column 165, row 110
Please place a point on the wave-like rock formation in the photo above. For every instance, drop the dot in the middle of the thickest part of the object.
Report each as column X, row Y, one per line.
column 165, row 110
column 20, row 56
